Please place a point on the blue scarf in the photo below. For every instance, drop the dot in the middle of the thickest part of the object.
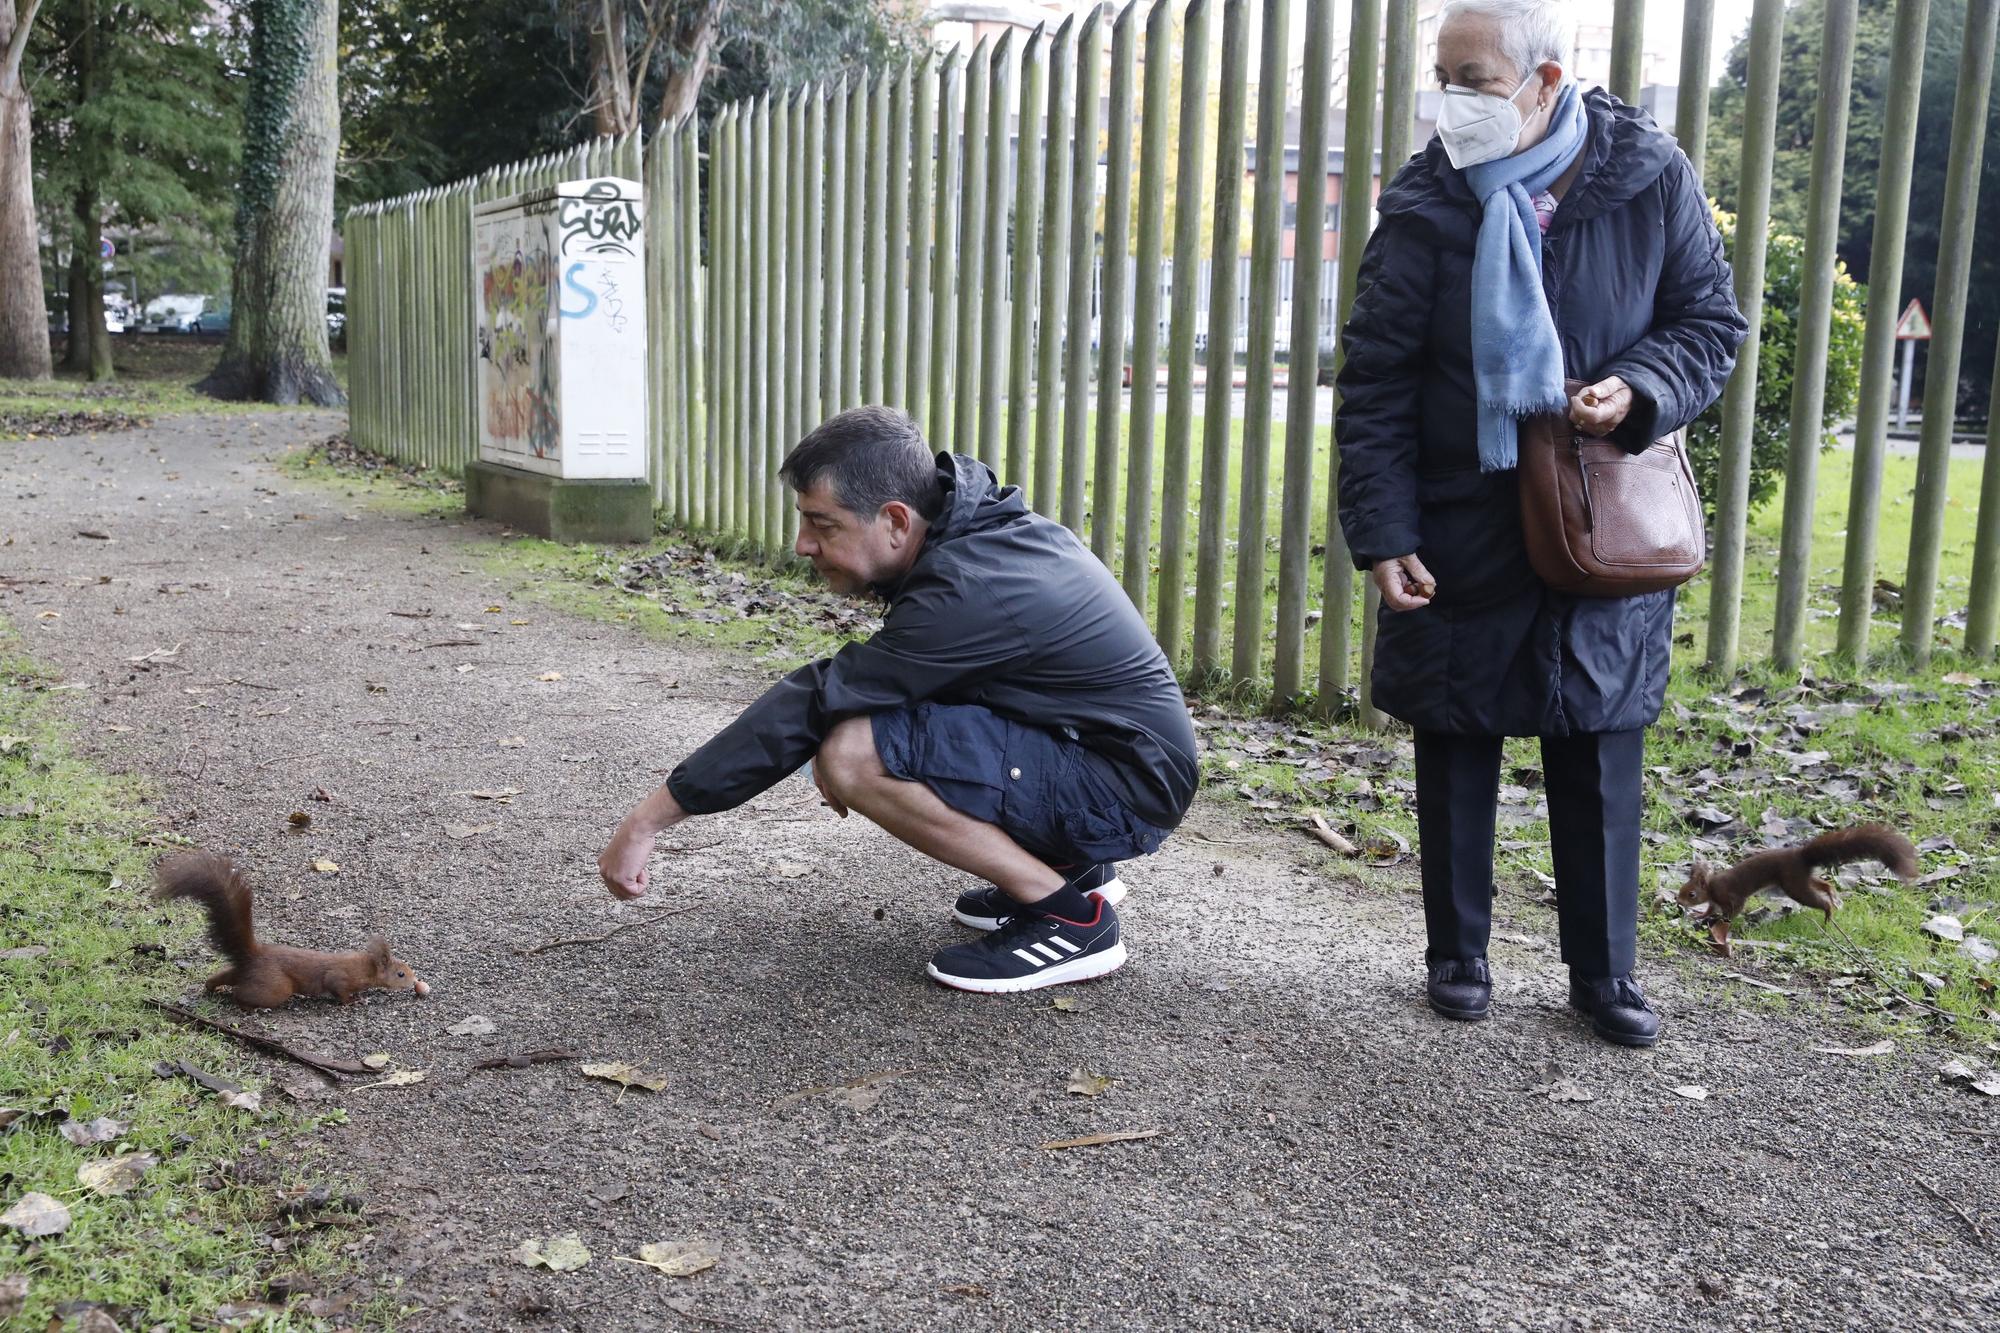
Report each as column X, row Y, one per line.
column 1517, row 362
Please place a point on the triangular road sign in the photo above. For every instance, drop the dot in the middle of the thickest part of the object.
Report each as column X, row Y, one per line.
column 1914, row 323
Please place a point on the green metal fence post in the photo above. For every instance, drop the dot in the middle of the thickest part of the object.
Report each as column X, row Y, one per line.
column 1182, row 314
column 756, row 438
column 1984, row 605
column 1836, row 77
column 855, row 259
column 1739, row 404
column 777, row 283
column 813, row 282
column 1220, row 357
column 1082, row 228
column 1045, row 494
column 688, row 509
column 967, row 323
column 796, row 340
column 1114, row 290
column 1961, row 211
column 1027, row 258
column 1628, row 43
column 993, row 280
column 833, row 343
column 923, row 174
column 944, row 254
column 1691, row 97
column 875, row 292
column 896, row 282
column 1136, row 571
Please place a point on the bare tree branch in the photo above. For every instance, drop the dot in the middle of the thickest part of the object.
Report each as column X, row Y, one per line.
column 17, row 48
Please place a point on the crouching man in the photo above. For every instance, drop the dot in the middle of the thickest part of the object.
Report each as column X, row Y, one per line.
column 1013, row 718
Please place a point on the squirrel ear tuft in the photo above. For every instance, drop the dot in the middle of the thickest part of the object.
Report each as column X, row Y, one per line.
column 378, row 949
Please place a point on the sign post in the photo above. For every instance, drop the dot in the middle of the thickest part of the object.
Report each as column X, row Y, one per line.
column 1912, row 328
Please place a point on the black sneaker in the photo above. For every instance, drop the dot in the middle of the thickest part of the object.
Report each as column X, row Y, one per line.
column 988, row 907
column 1033, row 951
column 1617, row 1010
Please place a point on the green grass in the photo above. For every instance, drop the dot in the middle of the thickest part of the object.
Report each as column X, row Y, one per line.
column 154, row 379
column 1904, row 763
column 78, row 1041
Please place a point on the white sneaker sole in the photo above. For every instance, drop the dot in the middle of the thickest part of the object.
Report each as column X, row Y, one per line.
column 1113, row 893
column 1084, row 968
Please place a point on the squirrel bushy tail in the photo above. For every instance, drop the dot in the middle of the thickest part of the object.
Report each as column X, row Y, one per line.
column 215, row 883
column 1863, row 842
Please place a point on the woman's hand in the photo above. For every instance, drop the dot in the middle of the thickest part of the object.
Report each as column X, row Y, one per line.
column 1598, row 409
column 1405, row 584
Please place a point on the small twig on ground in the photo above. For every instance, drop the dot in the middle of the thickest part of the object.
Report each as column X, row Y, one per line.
column 1223, row 842
column 1860, row 955
column 217, row 629
column 325, row 1064
column 449, row 643
column 1955, row 1207
column 282, row 758
column 653, row 920
column 693, row 847
column 521, row 1060
column 412, row 615
column 250, row 684
column 57, row 865
column 1326, row 835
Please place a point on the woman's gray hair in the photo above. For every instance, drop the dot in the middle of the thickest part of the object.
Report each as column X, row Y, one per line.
column 1532, row 32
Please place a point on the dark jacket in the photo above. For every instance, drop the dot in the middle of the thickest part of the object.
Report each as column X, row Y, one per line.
column 1637, row 282
column 1002, row 608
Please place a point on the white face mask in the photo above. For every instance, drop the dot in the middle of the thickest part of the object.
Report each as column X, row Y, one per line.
column 1479, row 127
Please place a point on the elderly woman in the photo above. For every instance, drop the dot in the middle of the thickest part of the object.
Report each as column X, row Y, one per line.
column 1546, row 233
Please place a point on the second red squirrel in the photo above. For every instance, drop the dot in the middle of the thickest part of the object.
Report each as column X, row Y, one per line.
column 263, row 976
column 1790, row 870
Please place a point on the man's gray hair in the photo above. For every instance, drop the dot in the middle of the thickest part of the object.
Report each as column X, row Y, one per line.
column 1532, row 32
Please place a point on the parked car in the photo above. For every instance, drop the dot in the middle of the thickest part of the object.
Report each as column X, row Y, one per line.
column 173, row 313
column 336, row 316
column 212, row 321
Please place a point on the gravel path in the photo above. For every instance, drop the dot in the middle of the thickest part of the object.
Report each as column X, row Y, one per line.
column 1327, row 1153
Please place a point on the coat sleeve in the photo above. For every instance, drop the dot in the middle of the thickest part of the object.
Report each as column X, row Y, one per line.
column 938, row 637
column 1380, row 385
column 1682, row 363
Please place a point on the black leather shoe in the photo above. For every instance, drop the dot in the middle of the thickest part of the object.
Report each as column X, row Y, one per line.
column 1617, row 1008
column 1459, row 988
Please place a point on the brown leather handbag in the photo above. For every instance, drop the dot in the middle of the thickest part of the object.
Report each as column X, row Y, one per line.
column 1601, row 521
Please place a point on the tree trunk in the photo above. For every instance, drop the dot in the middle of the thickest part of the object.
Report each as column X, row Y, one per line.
column 611, row 94
column 24, row 326
column 277, row 347
column 692, row 47
column 89, row 351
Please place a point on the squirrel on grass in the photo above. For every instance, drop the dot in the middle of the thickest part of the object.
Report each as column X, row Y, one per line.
column 1790, row 869
column 263, row 976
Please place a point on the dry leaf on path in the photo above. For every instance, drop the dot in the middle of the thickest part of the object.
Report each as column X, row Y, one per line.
column 626, row 1075
column 402, row 1078
column 1945, row 928
column 37, row 1214
column 793, row 870
column 467, row 830
column 513, row 742
column 550, row 675
column 115, row 1175
column 1961, row 678
column 1068, row 1004
column 1694, row 1092
column 83, row 1134
column 299, row 819
column 1086, row 1084
column 13, row 1294
column 377, row 1059
column 472, row 1025
column 325, row 867
column 837, row 1089
column 1882, row 1047
column 678, row 1258
column 1097, row 1140
column 558, row 1254
column 503, row 795
column 1564, row 1090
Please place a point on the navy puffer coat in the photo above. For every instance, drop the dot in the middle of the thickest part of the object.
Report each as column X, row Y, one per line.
column 1636, row 279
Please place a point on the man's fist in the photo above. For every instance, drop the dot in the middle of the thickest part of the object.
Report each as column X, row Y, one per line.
column 623, row 863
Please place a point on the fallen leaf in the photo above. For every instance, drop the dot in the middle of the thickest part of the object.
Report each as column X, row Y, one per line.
column 836, row 1089
column 83, row 1134
column 377, row 1059
column 299, row 819
column 550, row 675
column 500, row 794
column 115, row 1175
column 1694, row 1092
column 626, row 1075
column 792, row 870
column 462, row 668
column 13, row 1294
column 513, row 742
column 1097, row 1140
column 1945, row 928
column 970, row 1290
column 1987, row 1083
column 558, row 1254
column 472, row 1025
column 37, row 1215
column 23, row 953
column 9, row 743
column 1068, row 1004
column 467, row 830
column 401, row 1078
column 1086, row 1084
column 1564, row 1090
column 522, row 1059
column 517, row 622
column 1882, row 1047
column 1957, row 1071
column 325, row 867
column 678, row 1258
column 9, row 1114
column 1961, row 678
column 494, row 610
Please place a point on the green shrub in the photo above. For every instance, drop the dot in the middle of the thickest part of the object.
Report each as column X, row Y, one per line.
column 1770, row 431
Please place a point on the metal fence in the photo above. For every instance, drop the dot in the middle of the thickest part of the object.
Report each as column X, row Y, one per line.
column 931, row 237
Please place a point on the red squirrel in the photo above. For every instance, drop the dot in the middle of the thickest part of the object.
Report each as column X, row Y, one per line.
column 263, row 976
column 1791, row 869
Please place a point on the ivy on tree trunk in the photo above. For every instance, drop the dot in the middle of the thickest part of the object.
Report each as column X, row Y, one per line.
column 277, row 347
column 24, row 329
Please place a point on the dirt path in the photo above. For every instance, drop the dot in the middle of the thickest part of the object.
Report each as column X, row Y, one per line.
column 1328, row 1153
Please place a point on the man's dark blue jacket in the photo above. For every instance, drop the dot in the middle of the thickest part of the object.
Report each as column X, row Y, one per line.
column 1002, row 608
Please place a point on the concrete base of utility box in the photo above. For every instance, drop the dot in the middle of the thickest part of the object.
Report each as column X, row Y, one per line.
column 561, row 510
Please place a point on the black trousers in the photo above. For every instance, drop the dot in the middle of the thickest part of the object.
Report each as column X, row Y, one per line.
column 1593, row 785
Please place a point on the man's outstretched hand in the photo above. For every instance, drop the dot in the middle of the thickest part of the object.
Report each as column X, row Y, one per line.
column 623, row 863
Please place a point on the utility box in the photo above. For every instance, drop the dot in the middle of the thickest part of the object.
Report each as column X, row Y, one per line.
column 559, row 292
